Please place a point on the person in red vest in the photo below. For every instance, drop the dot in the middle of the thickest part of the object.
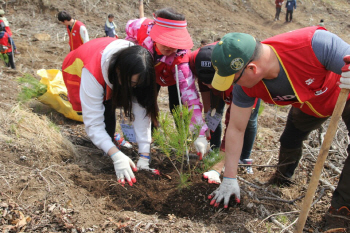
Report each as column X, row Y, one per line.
column 167, row 39
column 5, row 21
column 302, row 68
column 76, row 30
column 8, row 46
column 105, row 74
column 201, row 66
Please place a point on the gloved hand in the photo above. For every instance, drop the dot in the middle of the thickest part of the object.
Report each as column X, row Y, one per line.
column 122, row 166
column 208, row 135
column 143, row 164
column 345, row 75
column 228, row 187
column 212, row 176
column 201, row 145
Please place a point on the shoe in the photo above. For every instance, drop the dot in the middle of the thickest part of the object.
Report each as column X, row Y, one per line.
column 279, row 179
column 337, row 218
column 119, row 141
column 249, row 169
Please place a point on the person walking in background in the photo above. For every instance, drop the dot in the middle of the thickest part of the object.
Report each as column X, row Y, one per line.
column 105, row 74
column 290, row 5
column 167, row 39
column 110, row 27
column 76, row 30
column 8, row 46
column 278, row 9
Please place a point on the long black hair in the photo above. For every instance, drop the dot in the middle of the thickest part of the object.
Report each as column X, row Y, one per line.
column 123, row 65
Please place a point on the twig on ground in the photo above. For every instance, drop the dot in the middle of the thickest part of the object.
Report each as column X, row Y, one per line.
column 22, row 190
column 319, row 197
column 257, row 187
column 284, row 229
column 258, row 165
column 283, row 213
column 327, row 184
column 333, row 167
column 6, row 182
column 282, row 200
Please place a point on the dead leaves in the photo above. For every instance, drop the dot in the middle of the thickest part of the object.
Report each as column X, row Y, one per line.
column 12, row 219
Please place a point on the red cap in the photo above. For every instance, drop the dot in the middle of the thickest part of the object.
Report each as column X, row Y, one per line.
column 171, row 33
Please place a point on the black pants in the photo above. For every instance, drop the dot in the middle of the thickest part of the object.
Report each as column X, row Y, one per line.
column 278, row 11
column 172, row 95
column 290, row 14
column 297, row 129
column 11, row 62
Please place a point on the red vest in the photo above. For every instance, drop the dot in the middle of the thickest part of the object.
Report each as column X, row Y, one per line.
column 164, row 72
column 7, row 28
column 5, row 41
column 87, row 56
column 316, row 88
column 75, row 39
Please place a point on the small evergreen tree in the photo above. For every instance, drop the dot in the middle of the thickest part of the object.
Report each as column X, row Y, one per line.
column 174, row 140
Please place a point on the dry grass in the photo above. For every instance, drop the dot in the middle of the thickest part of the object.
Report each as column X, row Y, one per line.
column 21, row 128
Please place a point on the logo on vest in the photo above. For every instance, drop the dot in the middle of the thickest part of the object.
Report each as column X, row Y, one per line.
column 205, row 63
column 309, row 81
column 320, row 92
column 284, row 98
column 63, row 96
column 237, row 64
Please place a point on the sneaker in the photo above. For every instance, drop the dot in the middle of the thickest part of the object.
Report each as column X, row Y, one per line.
column 249, row 169
column 337, row 218
column 279, row 179
column 119, row 141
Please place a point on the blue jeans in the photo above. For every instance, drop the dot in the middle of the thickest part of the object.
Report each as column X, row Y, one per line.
column 219, row 104
column 250, row 132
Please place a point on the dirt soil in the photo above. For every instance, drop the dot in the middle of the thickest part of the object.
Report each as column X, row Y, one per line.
column 53, row 179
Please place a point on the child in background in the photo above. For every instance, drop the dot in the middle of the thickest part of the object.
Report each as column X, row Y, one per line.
column 110, row 27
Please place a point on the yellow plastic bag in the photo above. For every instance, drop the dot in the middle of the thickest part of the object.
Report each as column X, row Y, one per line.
column 56, row 95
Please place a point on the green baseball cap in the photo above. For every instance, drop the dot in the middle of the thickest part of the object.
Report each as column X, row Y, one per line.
column 229, row 56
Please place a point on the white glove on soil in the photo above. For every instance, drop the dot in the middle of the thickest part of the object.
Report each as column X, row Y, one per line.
column 212, row 176
column 228, row 187
column 122, row 166
column 201, row 145
column 143, row 164
column 345, row 75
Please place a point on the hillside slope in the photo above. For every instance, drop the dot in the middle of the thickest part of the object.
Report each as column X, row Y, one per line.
column 52, row 173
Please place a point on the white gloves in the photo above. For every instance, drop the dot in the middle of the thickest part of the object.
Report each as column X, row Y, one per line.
column 345, row 75
column 212, row 176
column 122, row 167
column 143, row 164
column 228, row 187
column 201, row 145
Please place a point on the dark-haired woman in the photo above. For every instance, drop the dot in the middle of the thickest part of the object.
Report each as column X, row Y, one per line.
column 167, row 38
column 105, row 74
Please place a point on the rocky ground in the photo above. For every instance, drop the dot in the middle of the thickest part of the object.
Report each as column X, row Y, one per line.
column 53, row 179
